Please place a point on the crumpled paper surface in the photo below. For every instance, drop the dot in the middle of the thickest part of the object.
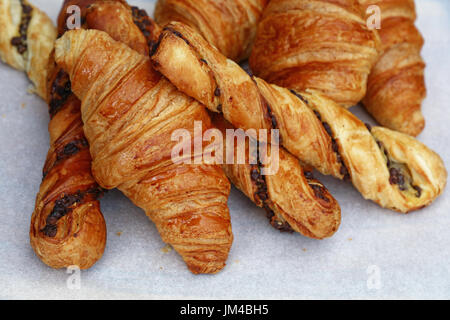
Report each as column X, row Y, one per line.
column 375, row 254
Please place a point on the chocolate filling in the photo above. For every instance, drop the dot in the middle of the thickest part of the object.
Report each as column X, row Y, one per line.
column 65, row 205
column 178, row 34
column 399, row 173
column 343, row 171
column 142, row 20
column 298, row 95
column 335, row 146
column 20, row 42
column 318, row 188
column 60, row 91
column 71, row 149
column 262, row 195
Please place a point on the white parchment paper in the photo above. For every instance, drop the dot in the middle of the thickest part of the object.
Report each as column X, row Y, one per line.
column 375, row 254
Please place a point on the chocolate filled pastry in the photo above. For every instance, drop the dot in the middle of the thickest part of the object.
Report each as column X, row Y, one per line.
column 396, row 86
column 230, row 25
column 129, row 113
column 392, row 169
column 26, row 40
column 323, row 45
column 293, row 199
column 67, row 227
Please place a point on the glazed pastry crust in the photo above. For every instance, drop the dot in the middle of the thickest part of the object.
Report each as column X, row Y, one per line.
column 230, row 25
column 129, row 118
column 316, row 44
column 313, row 128
column 293, row 199
column 40, row 36
column 396, row 85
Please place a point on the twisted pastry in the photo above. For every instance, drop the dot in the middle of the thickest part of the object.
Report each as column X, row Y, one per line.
column 129, row 113
column 230, row 25
column 396, row 86
column 293, row 199
column 392, row 169
column 26, row 40
column 67, row 227
column 316, row 44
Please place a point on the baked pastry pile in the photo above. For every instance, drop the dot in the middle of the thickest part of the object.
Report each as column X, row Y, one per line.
column 120, row 86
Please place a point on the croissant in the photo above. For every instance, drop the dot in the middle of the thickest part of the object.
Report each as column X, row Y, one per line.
column 392, row 169
column 396, row 85
column 129, row 113
column 67, row 227
column 230, row 25
column 293, row 199
column 26, row 40
column 323, row 45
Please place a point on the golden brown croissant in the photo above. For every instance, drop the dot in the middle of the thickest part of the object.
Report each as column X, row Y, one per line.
column 67, row 227
column 129, row 112
column 323, row 45
column 396, row 86
column 26, row 40
column 230, row 25
column 292, row 198
column 390, row 168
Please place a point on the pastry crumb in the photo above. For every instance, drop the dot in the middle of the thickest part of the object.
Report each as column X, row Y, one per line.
column 23, row 105
column 350, row 239
column 166, row 249
column 304, row 249
column 3, row 116
column 236, row 261
column 31, row 89
column 119, row 233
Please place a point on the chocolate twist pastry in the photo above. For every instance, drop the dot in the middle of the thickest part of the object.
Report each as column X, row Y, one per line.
column 26, row 40
column 67, row 227
column 230, row 25
column 323, row 45
column 392, row 169
column 396, row 85
column 293, row 199
column 130, row 112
